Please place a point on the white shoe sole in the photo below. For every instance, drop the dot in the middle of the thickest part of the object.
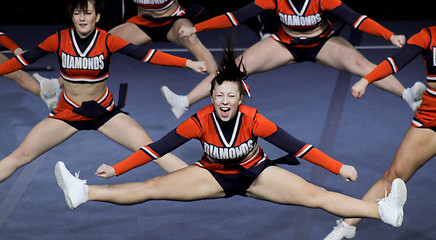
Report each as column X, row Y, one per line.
column 400, row 188
column 418, row 89
column 61, row 182
column 178, row 111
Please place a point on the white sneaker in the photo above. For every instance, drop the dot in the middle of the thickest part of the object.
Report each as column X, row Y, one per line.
column 75, row 189
column 178, row 103
column 391, row 207
column 418, row 89
column 413, row 95
column 50, row 90
column 342, row 230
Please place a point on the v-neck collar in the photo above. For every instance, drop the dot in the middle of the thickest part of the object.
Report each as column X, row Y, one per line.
column 220, row 132
column 302, row 10
column 76, row 46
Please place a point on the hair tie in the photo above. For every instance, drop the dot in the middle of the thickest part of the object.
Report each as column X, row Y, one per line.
column 246, row 88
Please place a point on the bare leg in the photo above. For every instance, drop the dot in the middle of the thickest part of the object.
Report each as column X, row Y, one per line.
column 273, row 54
column 339, row 54
column 44, row 136
column 193, row 44
column 415, row 150
column 187, row 184
column 131, row 33
column 22, row 78
column 273, row 185
column 127, row 132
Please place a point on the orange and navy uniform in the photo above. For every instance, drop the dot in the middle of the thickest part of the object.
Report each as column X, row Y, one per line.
column 228, row 143
column 7, row 42
column 155, row 6
column 298, row 16
column 86, row 61
column 424, row 44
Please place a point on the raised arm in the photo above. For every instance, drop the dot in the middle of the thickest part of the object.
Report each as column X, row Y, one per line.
column 153, row 56
column 229, row 19
column 361, row 22
column 414, row 47
column 285, row 141
column 32, row 55
column 183, row 133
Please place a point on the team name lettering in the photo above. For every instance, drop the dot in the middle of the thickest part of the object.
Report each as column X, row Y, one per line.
column 228, row 152
column 84, row 63
column 434, row 56
column 300, row 21
column 153, row 2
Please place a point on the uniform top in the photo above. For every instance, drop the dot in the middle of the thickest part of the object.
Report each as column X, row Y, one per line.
column 154, row 5
column 298, row 15
column 224, row 143
column 422, row 43
column 88, row 60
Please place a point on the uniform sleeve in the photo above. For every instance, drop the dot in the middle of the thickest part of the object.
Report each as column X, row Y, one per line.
column 414, row 47
column 183, row 133
column 144, row 54
column 232, row 19
column 293, row 146
column 357, row 20
column 7, row 42
column 50, row 44
column 150, row 152
column 30, row 56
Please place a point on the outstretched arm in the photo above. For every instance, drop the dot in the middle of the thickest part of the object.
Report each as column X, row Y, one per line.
column 285, row 141
column 363, row 22
column 229, row 19
column 144, row 155
column 389, row 66
column 157, row 57
column 184, row 132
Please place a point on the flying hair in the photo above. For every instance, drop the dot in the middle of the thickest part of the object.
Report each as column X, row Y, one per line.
column 229, row 70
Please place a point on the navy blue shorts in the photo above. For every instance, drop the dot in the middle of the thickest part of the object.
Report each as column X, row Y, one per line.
column 237, row 184
column 306, row 54
column 157, row 34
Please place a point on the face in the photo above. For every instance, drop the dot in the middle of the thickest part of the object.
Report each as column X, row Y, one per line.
column 84, row 21
column 226, row 99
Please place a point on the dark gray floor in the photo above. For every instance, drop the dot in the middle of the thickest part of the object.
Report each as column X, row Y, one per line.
column 310, row 101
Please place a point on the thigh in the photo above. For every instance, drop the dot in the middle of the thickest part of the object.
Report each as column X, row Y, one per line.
column 187, row 184
column 125, row 131
column 174, row 37
column 278, row 185
column 44, row 136
column 131, row 33
column 418, row 147
column 265, row 55
column 339, row 54
column 3, row 58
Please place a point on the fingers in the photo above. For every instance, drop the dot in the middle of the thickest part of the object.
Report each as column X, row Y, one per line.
column 105, row 171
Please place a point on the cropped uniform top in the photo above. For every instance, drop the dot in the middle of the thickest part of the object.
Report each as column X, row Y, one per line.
column 228, row 143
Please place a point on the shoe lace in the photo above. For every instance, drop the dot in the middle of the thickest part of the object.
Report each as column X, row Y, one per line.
column 76, row 174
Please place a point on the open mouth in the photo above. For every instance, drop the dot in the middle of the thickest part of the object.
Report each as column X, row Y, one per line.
column 225, row 111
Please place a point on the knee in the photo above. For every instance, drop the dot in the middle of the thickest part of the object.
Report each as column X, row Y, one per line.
column 151, row 189
column 390, row 175
column 315, row 197
column 364, row 64
column 20, row 157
